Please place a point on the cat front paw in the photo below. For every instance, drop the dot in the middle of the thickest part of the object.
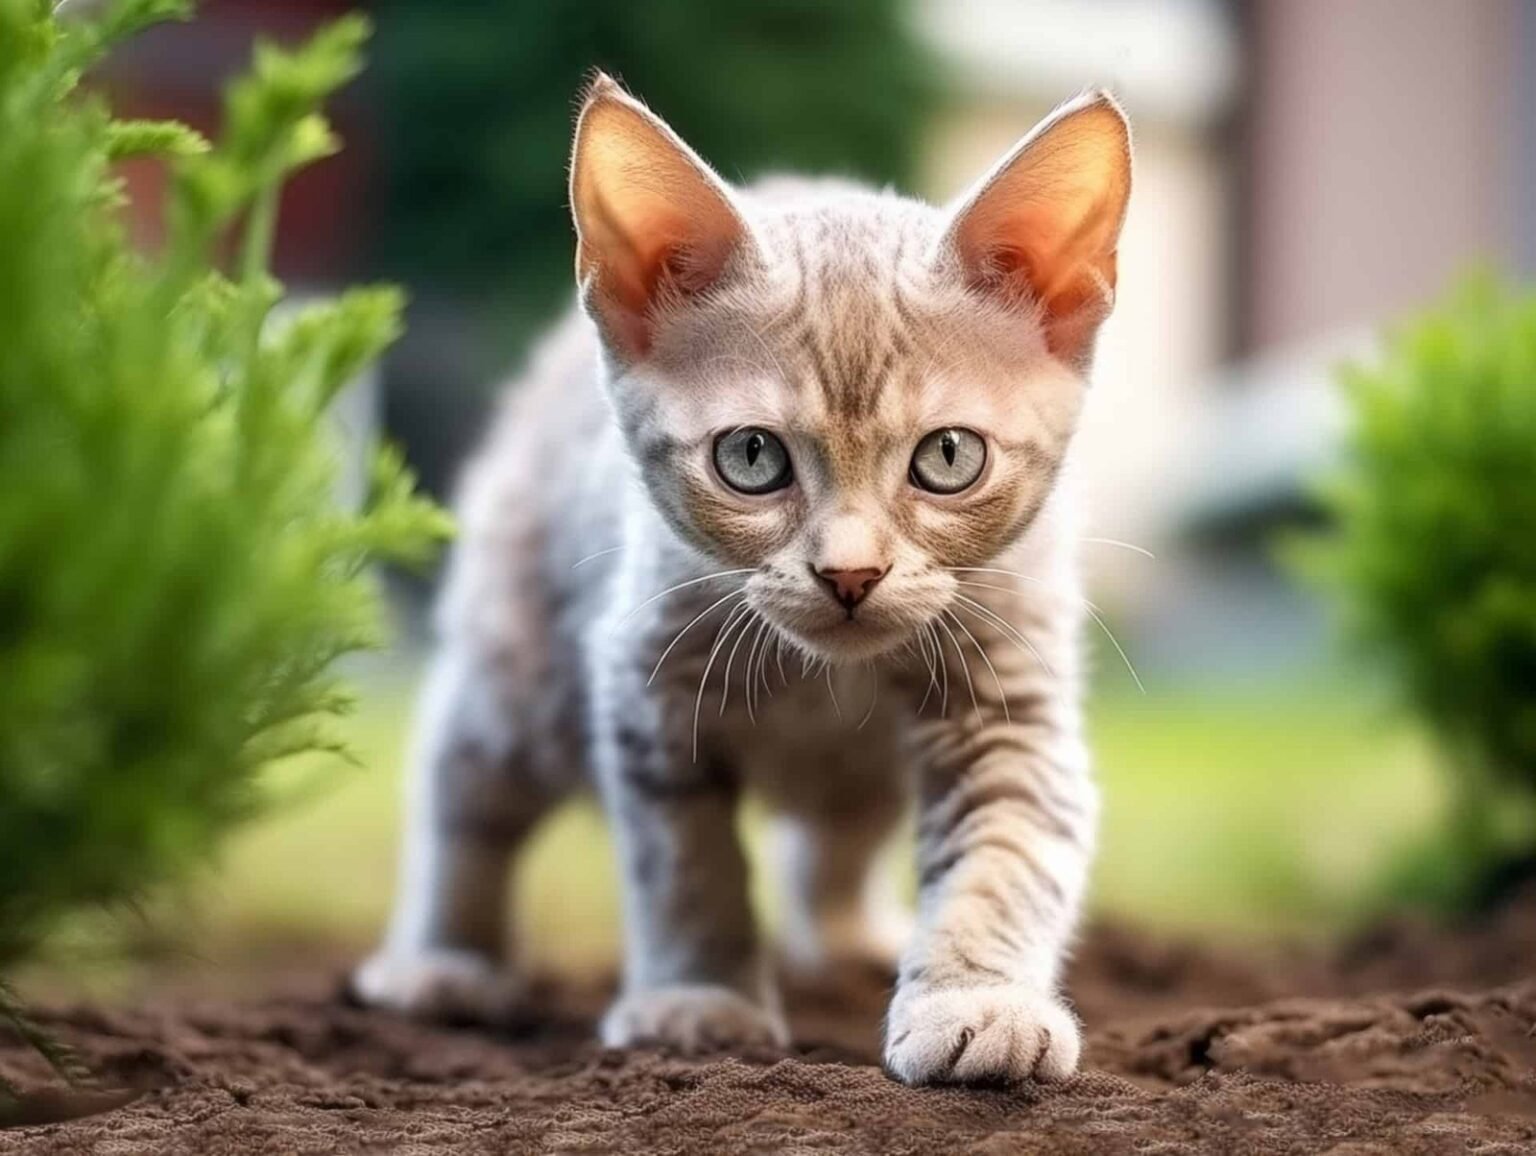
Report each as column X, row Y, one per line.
column 1004, row 1034
column 444, row 985
column 692, row 1018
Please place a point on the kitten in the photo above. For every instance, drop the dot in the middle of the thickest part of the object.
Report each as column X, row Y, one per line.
column 785, row 510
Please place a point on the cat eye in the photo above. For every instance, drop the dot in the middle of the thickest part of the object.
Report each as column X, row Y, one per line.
column 948, row 461
column 752, row 461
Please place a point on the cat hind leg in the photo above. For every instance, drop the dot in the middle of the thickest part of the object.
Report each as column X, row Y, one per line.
column 841, row 914
column 468, row 810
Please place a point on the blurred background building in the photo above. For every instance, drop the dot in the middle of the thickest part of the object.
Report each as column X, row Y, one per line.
column 1306, row 169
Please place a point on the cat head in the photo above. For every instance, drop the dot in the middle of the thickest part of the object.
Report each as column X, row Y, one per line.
column 845, row 391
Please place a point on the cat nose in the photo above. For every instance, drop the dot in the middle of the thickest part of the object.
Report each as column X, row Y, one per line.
column 850, row 587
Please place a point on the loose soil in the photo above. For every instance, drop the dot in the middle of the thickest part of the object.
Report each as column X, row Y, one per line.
column 1409, row 1040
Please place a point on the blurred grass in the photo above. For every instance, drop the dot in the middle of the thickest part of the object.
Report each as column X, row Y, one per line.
column 1256, row 811
column 1249, row 812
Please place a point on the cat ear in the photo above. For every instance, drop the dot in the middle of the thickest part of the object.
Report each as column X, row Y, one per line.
column 1042, row 227
column 653, row 222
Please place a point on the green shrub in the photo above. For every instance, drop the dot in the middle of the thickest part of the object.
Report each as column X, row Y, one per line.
column 177, row 578
column 1433, row 561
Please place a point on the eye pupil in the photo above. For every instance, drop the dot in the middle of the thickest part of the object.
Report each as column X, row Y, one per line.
column 948, row 461
column 752, row 461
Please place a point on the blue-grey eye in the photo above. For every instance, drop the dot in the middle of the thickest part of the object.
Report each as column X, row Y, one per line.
column 948, row 461
column 752, row 461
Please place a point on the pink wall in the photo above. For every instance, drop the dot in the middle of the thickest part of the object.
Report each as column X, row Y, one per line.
column 1381, row 153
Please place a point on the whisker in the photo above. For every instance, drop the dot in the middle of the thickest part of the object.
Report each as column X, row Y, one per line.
column 1131, row 546
column 995, row 616
column 594, row 557
column 927, row 694
column 965, row 666
column 678, row 637
column 938, row 648
column 766, row 348
column 770, row 638
column 937, row 352
column 730, row 659
column 747, row 677
column 826, row 669
column 748, row 674
column 736, row 615
column 921, row 641
column 778, row 656
column 633, row 610
column 874, row 696
column 1094, row 610
column 1115, row 642
column 1010, row 631
column 1001, row 693
column 994, row 570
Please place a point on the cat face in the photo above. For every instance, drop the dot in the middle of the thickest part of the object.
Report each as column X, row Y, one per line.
column 846, row 392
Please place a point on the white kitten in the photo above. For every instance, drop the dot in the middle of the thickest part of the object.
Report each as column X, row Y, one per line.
column 816, row 433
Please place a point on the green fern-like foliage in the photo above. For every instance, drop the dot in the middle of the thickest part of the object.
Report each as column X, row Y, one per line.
column 177, row 577
column 1433, row 562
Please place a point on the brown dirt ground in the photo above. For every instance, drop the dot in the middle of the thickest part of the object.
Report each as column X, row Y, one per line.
column 1409, row 1040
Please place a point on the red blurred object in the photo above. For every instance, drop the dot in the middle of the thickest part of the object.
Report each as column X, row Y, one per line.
column 177, row 72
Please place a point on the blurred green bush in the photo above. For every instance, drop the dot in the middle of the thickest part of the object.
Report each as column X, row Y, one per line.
column 1432, row 560
column 177, row 578
column 481, row 96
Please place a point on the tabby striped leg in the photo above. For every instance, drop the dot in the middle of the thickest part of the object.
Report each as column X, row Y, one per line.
column 471, row 806
column 1005, row 839
column 694, row 975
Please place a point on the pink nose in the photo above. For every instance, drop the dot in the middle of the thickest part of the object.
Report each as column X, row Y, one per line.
column 850, row 587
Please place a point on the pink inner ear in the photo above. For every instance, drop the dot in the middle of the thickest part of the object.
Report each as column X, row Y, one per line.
column 654, row 224
column 1059, row 286
column 683, row 266
column 666, row 253
column 638, row 254
column 1036, row 254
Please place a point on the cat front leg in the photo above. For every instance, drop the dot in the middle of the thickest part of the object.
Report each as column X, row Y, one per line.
column 694, row 975
column 1004, row 844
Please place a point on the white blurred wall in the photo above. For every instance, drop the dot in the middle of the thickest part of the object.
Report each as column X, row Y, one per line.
column 1306, row 170
column 1174, row 64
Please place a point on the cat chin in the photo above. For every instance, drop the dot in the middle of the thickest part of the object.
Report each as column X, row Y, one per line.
column 850, row 642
